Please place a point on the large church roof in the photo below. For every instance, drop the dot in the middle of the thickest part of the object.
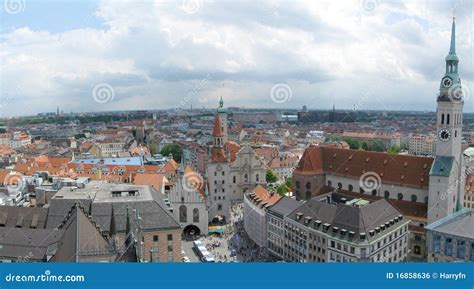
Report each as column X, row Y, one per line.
column 393, row 169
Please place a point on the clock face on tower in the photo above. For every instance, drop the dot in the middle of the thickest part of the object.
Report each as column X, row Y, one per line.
column 446, row 82
column 444, row 134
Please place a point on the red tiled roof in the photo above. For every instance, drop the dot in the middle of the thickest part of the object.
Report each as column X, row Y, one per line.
column 217, row 131
column 266, row 196
column 392, row 169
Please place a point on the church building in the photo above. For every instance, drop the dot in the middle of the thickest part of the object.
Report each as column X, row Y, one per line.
column 425, row 189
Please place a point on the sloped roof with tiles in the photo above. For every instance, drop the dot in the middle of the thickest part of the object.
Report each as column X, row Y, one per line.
column 393, row 169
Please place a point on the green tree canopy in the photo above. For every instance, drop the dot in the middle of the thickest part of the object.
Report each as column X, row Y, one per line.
column 173, row 149
column 271, row 176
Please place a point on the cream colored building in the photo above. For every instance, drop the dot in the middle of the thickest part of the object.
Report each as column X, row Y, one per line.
column 422, row 145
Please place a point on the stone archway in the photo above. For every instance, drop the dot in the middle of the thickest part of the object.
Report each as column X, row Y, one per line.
column 191, row 232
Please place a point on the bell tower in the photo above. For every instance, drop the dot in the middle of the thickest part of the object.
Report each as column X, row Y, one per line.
column 450, row 106
column 446, row 190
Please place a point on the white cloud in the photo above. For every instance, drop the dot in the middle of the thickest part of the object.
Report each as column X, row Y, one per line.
column 153, row 53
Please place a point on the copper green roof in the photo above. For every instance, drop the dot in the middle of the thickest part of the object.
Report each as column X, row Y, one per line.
column 442, row 166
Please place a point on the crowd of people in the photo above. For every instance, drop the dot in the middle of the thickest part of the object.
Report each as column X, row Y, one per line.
column 234, row 245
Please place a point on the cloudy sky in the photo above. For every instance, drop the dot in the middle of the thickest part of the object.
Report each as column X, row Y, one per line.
column 116, row 55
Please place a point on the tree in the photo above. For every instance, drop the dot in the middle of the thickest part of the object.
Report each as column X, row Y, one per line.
column 282, row 190
column 404, row 146
column 289, row 182
column 378, row 146
column 153, row 148
column 353, row 144
column 393, row 150
column 271, row 176
column 173, row 149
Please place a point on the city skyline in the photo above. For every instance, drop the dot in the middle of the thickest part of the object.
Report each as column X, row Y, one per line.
column 366, row 55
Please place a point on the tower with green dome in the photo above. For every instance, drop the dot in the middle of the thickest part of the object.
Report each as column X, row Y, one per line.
column 446, row 188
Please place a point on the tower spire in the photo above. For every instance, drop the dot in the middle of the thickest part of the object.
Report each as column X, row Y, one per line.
column 452, row 48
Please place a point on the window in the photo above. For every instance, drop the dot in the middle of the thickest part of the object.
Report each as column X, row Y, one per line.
column 308, row 186
column 400, row 196
column 170, row 248
column 183, row 214
column 257, row 178
column 426, row 200
column 246, row 178
column 386, row 194
column 374, row 192
column 351, row 188
column 234, row 179
column 339, row 185
column 297, row 183
column 413, row 198
column 329, row 184
column 170, row 237
column 417, row 250
column 472, row 251
column 442, row 118
column 448, row 247
column 170, row 258
column 447, row 118
column 461, row 249
column 155, row 238
column 195, row 215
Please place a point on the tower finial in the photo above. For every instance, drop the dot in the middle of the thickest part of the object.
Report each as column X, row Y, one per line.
column 221, row 103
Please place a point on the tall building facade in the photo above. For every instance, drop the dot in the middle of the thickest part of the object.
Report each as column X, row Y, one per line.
column 231, row 170
column 446, row 191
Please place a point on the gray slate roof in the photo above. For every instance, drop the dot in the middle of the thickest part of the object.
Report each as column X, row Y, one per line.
column 24, row 217
column 26, row 244
column 351, row 218
column 284, row 206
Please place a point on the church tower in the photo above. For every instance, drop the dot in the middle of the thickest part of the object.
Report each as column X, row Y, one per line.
column 222, row 112
column 446, row 192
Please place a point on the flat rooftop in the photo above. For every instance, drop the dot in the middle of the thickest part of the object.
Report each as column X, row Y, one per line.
column 106, row 192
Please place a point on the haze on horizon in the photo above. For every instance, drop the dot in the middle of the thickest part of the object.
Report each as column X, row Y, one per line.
column 134, row 55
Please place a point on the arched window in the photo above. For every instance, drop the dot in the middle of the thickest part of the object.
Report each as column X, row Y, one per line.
column 400, row 196
column 417, row 250
column 442, row 118
column 195, row 215
column 234, row 179
column 308, row 186
column 329, row 184
column 361, row 190
column 183, row 214
column 426, row 200
column 374, row 192
column 351, row 188
column 297, row 183
column 246, row 178
column 308, row 195
column 339, row 185
column 386, row 194
column 413, row 198
column 257, row 178
column 447, row 118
